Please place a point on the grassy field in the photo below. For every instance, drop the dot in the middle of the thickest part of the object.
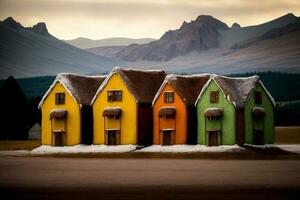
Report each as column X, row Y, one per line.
column 19, row 145
column 283, row 135
column 287, row 135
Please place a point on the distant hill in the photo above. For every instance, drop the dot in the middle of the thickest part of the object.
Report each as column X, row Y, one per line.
column 33, row 51
column 85, row 43
column 107, row 51
column 276, row 54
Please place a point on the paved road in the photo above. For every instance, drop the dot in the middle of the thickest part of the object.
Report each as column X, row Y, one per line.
column 102, row 178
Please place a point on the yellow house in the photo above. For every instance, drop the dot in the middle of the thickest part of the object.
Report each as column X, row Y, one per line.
column 122, row 107
column 66, row 111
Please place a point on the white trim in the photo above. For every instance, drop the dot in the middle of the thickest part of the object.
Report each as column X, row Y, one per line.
column 174, row 76
column 60, row 78
column 268, row 93
column 228, row 97
column 50, row 90
column 104, row 83
column 159, row 91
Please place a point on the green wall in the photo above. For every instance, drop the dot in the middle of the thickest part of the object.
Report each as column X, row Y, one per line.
column 268, row 121
column 228, row 119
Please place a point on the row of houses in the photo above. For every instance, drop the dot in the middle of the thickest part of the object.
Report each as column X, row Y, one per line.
column 144, row 107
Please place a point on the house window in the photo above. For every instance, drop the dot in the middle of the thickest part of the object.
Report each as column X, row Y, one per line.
column 214, row 96
column 115, row 95
column 59, row 98
column 257, row 98
column 169, row 97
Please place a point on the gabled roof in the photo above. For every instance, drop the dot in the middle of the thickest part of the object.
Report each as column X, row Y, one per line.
column 187, row 87
column 236, row 90
column 81, row 88
column 143, row 84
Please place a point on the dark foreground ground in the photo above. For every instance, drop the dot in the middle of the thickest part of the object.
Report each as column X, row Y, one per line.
column 148, row 178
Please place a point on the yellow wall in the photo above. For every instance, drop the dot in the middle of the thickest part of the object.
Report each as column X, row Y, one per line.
column 128, row 117
column 73, row 132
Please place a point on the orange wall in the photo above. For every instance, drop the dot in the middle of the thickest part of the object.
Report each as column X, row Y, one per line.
column 181, row 117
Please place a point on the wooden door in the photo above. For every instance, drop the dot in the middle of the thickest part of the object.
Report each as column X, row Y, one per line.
column 213, row 138
column 258, row 137
column 112, row 137
column 58, row 139
column 167, row 138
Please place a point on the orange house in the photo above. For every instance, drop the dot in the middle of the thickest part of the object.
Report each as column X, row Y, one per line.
column 174, row 114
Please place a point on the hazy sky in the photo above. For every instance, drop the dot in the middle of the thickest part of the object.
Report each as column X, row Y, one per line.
column 96, row 19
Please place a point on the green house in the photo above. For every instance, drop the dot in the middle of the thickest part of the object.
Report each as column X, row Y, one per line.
column 235, row 111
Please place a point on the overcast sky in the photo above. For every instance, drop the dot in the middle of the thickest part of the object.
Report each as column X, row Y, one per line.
column 96, row 19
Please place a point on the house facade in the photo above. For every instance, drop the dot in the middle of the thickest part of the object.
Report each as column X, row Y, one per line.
column 66, row 111
column 122, row 110
column 174, row 114
column 235, row 111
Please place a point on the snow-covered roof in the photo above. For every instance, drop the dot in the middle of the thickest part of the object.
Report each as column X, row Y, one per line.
column 236, row 90
column 81, row 88
column 186, row 86
column 143, row 84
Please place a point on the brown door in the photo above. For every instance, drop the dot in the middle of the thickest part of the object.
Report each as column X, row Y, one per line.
column 167, row 137
column 58, row 139
column 213, row 138
column 240, row 126
column 258, row 137
column 112, row 137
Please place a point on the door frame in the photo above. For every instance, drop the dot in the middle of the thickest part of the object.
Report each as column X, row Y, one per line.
column 217, row 135
column 171, row 134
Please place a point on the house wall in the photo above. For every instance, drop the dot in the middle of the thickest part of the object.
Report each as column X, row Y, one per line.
column 73, row 132
column 181, row 118
column 228, row 120
column 268, row 122
column 128, row 117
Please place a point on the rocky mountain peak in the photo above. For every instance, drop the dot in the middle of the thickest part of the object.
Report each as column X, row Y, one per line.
column 235, row 26
column 197, row 35
column 10, row 22
column 40, row 28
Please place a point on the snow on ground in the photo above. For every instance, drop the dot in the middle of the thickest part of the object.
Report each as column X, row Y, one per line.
column 264, row 146
column 295, row 148
column 47, row 149
column 191, row 148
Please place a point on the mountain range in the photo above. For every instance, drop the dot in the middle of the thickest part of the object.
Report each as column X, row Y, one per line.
column 33, row 51
column 85, row 43
column 208, row 45
column 205, row 44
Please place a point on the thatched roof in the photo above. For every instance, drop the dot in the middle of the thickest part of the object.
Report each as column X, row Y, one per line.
column 112, row 111
column 213, row 112
column 258, row 112
column 236, row 90
column 187, row 87
column 143, row 84
column 58, row 114
column 167, row 111
column 81, row 88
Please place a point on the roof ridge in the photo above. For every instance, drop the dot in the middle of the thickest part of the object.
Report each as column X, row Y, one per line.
column 134, row 69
